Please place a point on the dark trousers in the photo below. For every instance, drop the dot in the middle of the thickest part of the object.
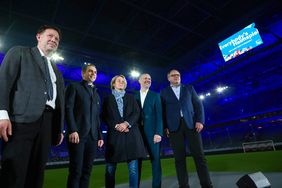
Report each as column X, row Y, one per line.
column 25, row 154
column 81, row 157
column 154, row 153
column 177, row 140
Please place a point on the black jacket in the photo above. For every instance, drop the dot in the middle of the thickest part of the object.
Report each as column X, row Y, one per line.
column 83, row 110
column 122, row 146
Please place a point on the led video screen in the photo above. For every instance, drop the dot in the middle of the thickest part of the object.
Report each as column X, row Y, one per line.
column 241, row 42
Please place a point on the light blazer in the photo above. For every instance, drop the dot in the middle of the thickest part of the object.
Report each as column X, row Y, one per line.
column 151, row 114
column 23, row 90
column 190, row 104
column 81, row 104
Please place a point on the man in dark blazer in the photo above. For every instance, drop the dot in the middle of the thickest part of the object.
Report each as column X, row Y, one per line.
column 151, row 126
column 83, row 127
column 31, row 110
column 184, row 119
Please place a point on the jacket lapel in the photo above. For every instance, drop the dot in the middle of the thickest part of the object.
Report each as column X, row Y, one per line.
column 84, row 85
column 38, row 59
column 171, row 92
column 138, row 97
column 146, row 99
column 181, row 92
column 125, row 101
column 115, row 106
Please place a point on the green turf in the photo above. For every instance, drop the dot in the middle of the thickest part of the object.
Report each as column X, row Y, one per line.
column 250, row 162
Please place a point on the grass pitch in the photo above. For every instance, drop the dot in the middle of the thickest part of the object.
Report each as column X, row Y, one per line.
column 270, row 161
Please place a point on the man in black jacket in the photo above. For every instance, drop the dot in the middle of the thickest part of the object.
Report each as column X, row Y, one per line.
column 31, row 110
column 83, row 124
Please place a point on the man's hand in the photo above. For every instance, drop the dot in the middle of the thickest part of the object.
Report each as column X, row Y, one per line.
column 157, row 138
column 199, row 126
column 5, row 129
column 100, row 143
column 74, row 138
column 60, row 139
column 166, row 132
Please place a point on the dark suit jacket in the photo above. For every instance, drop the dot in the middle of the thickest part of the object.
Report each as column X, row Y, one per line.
column 23, row 90
column 122, row 146
column 83, row 110
column 151, row 114
column 190, row 104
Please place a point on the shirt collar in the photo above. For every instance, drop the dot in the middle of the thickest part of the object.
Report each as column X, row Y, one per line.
column 175, row 87
column 144, row 92
column 88, row 84
column 42, row 54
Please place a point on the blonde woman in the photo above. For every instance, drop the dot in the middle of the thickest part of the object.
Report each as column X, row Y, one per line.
column 124, row 142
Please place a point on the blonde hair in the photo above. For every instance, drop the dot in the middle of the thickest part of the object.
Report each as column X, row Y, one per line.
column 114, row 80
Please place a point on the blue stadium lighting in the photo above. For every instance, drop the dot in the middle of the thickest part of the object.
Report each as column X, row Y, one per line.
column 134, row 74
column 202, row 97
column 208, row 94
column 221, row 89
column 87, row 63
column 57, row 57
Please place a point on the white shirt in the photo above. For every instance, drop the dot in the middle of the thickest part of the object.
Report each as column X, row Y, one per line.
column 4, row 114
column 143, row 95
column 176, row 90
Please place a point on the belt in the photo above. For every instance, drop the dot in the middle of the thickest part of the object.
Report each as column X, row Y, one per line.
column 48, row 108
